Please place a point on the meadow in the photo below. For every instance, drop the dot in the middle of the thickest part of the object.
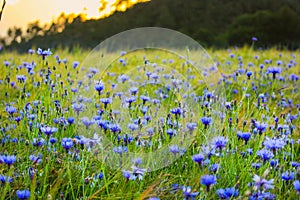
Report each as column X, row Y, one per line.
column 76, row 132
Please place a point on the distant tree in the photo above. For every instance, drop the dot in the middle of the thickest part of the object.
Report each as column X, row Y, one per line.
column 18, row 37
column 34, row 29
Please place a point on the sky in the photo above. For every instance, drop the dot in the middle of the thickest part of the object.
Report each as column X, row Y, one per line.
column 20, row 12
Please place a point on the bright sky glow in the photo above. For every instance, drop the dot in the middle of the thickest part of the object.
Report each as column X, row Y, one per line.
column 20, row 12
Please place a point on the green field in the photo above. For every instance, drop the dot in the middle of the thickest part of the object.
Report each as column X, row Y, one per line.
column 78, row 132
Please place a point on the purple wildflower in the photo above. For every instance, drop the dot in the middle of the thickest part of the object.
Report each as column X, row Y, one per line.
column 227, row 193
column 261, row 183
column 219, row 142
column 198, row 158
column 48, row 130
column 188, row 194
column 67, row 143
column 244, row 136
column 287, row 176
column 208, row 180
column 265, row 154
column 297, row 186
column 206, row 121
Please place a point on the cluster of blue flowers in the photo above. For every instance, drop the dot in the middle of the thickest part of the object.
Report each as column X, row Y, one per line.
column 66, row 115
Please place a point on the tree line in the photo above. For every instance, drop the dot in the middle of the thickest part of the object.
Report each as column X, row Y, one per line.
column 214, row 23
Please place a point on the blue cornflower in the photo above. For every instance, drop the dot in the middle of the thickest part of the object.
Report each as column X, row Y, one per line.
column 274, row 163
column 287, row 176
column 23, row 194
column 133, row 127
column 53, row 140
column 198, row 158
column 106, row 101
column 99, row 87
column 249, row 74
column 126, row 138
column 188, row 194
column 228, row 105
column 274, row 71
column 261, row 127
column 144, row 109
column 44, row 53
column 10, row 110
column 219, row 142
column 120, row 149
column 265, row 154
column 170, row 132
column 235, row 91
column 5, row 179
column 93, row 70
column 279, row 62
column 21, row 78
column 18, row 119
column 294, row 77
column 103, row 124
column 261, row 183
column 49, row 130
column 75, row 64
column 87, row 122
column 123, row 78
column 130, row 100
column 114, row 128
column 136, row 161
column 274, row 143
column 208, row 95
column 241, row 71
column 31, row 51
column 137, row 173
column 9, row 160
column 153, row 198
column 71, row 120
column 175, row 150
column 144, row 98
column 6, row 63
column 262, row 196
column 191, row 126
column 176, row 111
column 35, row 159
column 261, row 66
column 256, row 165
column 206, row 121
column 297, row 186
column 244, row 136
column 227, row 193
column 78, row 107
column 126, row 174
column 154, row 76
column 133, row 90
column 98, row 175
column 208, row 180
column 67, row 143
column 214, row 168
column 254, row 39
column 37, row 142
column 74, row 90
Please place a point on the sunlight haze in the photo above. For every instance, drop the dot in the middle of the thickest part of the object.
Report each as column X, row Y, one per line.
column 20, row 12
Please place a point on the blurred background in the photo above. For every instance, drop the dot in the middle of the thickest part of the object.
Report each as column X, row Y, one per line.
column 213, row 23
